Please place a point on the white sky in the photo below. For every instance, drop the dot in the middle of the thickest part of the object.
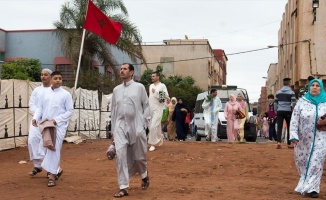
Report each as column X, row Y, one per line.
column 231, row 25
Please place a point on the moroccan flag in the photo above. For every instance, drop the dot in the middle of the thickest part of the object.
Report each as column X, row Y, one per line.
column 97, row 22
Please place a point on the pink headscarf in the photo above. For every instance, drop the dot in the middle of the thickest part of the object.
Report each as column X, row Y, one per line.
column 232, row 102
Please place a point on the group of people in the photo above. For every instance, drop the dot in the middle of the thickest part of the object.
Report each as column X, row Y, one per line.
column 305, row 121
column 133, row 112
column 235, row 123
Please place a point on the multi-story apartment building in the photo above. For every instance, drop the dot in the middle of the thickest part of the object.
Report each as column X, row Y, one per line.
column 189, row 57
column 301, row 43
column 301, row 46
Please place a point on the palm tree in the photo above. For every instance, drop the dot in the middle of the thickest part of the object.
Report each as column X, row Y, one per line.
column 70, row 28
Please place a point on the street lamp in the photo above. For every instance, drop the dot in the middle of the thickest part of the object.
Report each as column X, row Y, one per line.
column 315, row 5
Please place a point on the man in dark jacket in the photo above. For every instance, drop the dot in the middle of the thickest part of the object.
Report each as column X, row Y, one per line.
column 304, row 89
column 284, row 103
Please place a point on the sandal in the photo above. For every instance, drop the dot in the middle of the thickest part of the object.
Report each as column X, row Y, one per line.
column 51, row 183
column 121, row 193
column 34, row 171
column 57, row 176
column 145, row 183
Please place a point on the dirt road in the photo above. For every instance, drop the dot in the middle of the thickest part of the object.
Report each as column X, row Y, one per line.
column 178, row 170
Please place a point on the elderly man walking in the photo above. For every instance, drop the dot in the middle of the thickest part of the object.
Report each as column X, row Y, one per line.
column 35, row 143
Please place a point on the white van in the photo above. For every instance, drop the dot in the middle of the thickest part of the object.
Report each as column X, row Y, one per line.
column 223, row 92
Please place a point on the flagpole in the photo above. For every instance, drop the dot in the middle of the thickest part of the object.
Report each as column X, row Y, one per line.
column 79, row 59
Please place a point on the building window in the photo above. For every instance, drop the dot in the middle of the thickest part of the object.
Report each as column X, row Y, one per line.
column 2, row 56
column 67, row 71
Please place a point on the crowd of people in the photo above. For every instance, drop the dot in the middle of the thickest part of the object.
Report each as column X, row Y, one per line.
column 133, row 112
column 303, row 123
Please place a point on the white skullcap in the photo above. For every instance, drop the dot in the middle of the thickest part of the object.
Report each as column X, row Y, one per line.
column 47, row 70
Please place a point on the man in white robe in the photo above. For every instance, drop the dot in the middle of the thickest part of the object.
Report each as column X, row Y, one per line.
column 157, row 95
column 35, row 143
column 130, row 115
column 56, row 106
column 211, row 108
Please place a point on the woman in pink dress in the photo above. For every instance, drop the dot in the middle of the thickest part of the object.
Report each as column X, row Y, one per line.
column 230, row 115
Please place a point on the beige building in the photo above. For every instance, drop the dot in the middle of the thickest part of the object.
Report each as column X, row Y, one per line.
column 188, row 57
column 271, row 79
column 301, row 45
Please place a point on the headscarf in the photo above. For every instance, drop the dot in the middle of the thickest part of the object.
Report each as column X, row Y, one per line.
column 234, row 101
column 165, row 102
column 319, row 98
column 175, row 99
column 180, row 105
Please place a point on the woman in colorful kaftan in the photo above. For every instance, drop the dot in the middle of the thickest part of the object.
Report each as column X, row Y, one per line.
column 309, row 141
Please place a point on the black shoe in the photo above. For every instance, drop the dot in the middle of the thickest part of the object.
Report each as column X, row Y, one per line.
column 314, row 194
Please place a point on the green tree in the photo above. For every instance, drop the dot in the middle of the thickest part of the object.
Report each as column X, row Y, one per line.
column 177, row 86
column 146, row 79
column 22, row 69
column 183, row 87
column 70, row 28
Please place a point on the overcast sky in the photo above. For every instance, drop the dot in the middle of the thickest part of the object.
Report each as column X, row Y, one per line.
column 232, row 25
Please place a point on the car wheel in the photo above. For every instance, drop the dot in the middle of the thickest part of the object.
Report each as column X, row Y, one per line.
column 198, row 137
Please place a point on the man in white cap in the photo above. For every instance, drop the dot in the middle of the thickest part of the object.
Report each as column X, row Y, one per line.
column 35, row 142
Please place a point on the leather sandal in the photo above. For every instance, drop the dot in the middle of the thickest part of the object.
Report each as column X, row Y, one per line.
column 34, row 171
column 121, row 193
column 51, row 182
column 145, row 183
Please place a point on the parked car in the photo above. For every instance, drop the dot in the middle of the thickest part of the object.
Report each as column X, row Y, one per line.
column 223, row 92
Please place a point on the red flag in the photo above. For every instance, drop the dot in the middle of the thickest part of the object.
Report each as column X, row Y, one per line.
column 97, row 22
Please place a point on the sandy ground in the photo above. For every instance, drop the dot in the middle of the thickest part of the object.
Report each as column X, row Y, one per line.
column 178, row 170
